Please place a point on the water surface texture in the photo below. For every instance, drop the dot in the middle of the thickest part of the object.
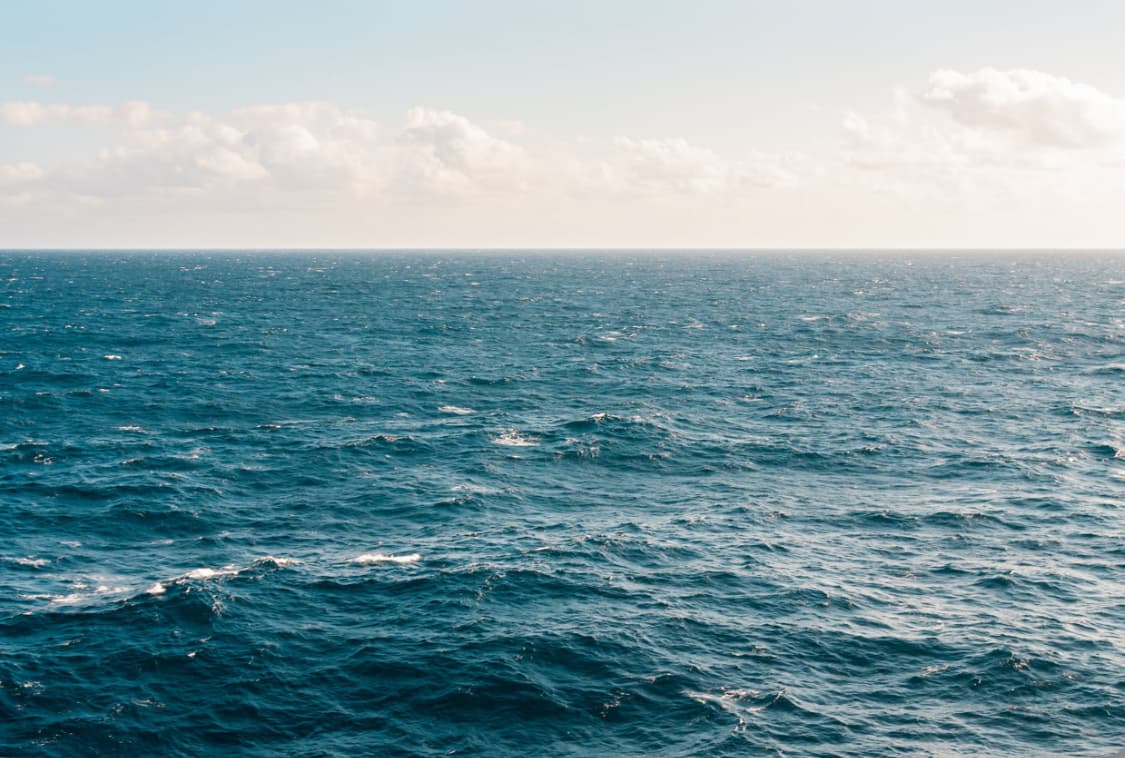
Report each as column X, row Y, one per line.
column 329, row 504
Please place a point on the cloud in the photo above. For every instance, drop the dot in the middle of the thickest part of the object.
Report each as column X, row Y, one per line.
column 29, row 114
column 34, row 114
column 319, row 154
column 442, row 153
column 41, row 80
column 314, row 150
column 1037, row 108
column 19, row 173
column 674, row 166
column 665, row 165
column 987, row 142
column 999, row 120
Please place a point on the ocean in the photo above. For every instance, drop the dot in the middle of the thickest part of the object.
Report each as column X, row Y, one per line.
column 576, row 504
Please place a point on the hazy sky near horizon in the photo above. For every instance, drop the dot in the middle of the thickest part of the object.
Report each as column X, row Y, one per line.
column 713, row 123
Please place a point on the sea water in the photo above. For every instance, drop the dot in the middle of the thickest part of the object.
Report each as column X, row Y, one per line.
column 576, row 504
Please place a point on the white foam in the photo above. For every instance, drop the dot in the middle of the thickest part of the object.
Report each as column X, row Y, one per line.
column 112, row 357
column 456, row 410
column 279, row 562
column 205, row 572
column 476, row 489
column 36, row 562
column 369, row 558
column 210, row 573
column 130, row 428
column 80, row 596
column 201, row 573
column 512, row 438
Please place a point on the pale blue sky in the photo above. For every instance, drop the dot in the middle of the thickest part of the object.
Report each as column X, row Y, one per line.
column 730, row 76
column 705, row 68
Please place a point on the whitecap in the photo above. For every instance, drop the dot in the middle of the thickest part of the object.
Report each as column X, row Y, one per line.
column 33, row 562
column 210, row 573
column 78, row 597
column 279, row 562
column 475, row 489
column 369, row 558
column 131, row 428
column 201, row 573
column 456, row 410
column 513, row 438
column 112, row 357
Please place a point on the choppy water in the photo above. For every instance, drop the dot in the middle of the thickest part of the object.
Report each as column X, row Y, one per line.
column 326, row 504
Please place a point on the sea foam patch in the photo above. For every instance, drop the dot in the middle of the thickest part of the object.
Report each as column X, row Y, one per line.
column 368, row 559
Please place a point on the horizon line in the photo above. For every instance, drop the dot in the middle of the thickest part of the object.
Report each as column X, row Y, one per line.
column 548, row 249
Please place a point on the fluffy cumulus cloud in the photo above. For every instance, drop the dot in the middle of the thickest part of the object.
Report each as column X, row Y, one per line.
column 317, row 150
column 321, row 153
column 1040, row 108
column 443, row 153
column 974, row 127
column 991, row 149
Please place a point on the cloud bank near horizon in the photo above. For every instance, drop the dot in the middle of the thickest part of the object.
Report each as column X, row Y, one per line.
column 1003, row 142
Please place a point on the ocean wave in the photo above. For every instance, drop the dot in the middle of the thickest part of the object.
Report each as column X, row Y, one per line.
column 376, row 510
column 513, row 438
column 456, row 410
column 371, row 558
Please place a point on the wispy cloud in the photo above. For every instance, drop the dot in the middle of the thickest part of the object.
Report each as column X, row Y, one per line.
column 41, row 80
column 33, row 113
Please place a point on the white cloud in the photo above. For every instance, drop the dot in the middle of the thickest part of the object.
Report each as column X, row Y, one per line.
column 674, row 166
column 19, row 173
column 34, row 114
column 28, row 114
column 316, row 150
column 665, row 165
column 991, row 145
column 442, row 153
column 1038, row 108
column 293, row 157
column 41, row 80
column 1000, row 121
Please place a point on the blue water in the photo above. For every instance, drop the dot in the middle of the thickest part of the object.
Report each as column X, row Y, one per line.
column 521, row 504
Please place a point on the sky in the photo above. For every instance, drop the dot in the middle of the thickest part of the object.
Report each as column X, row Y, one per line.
column 527, row 123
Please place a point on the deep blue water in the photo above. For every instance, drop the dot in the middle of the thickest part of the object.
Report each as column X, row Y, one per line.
column 521, row 504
